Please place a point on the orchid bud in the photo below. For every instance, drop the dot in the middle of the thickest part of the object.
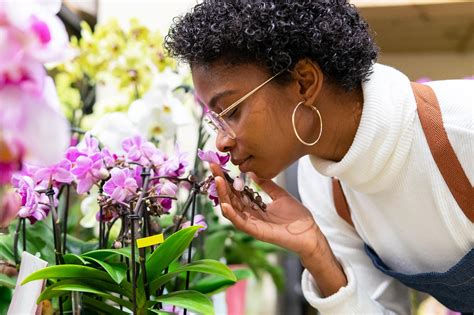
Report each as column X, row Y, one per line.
column 103, row 173
column 117, row 245
column 238, row 184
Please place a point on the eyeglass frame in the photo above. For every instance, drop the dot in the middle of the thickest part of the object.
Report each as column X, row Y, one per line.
column 222, row 114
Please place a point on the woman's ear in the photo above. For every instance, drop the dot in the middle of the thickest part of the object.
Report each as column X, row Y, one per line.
column 309, row 80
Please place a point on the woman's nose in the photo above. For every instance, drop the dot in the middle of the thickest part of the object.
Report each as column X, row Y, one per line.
column 224, row 142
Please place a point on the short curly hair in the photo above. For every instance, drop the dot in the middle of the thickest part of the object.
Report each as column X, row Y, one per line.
column 277, row 34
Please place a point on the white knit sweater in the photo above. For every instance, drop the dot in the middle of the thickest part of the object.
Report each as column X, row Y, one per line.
column 399, row 202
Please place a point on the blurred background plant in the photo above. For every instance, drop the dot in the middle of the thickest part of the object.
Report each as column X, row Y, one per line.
column 112, row 83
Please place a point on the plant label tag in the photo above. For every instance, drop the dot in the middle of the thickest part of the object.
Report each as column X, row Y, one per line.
column 25, row 296
column 150, row 240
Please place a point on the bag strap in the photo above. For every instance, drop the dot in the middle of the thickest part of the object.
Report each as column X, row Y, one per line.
column 441, row 149
column 443, row 153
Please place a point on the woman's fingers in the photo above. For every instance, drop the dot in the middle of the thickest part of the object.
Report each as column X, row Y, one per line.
column 241, row 220
column 216, row 170
column 270, row 187
column 223, row 189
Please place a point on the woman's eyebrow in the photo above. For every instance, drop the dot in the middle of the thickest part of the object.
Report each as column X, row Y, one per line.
column 213, row 102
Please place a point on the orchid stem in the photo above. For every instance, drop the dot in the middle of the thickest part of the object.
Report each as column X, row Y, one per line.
column 65, row 218
column 133, row 218
column 193, row 212
column 56, row 227
column 23, row 233
column 15, row 242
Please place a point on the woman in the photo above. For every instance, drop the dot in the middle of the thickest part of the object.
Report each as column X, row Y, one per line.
column 289, row 80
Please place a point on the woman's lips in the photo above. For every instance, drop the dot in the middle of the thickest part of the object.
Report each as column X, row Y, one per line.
column 243, row 164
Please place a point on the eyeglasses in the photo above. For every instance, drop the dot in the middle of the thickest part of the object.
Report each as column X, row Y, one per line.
column 217, row 121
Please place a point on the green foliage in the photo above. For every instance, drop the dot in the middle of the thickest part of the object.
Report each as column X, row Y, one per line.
column 241, row 249
column 5, row 299
column 192, row 300
column 93, row 274
column 211, row 285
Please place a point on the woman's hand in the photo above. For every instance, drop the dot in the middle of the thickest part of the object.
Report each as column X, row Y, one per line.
column 286, row 222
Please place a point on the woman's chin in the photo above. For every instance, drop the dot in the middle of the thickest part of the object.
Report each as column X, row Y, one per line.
column 264, row 173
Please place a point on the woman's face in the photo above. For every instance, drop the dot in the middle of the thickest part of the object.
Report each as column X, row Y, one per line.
column 265, row 142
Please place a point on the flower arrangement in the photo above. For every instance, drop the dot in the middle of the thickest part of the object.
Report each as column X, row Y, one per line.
column 122, row 173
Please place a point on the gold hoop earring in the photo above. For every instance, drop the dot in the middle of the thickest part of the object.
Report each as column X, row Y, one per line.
column 294, row 125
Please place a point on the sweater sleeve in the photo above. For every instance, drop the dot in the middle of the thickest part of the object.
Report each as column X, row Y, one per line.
column 368, row 290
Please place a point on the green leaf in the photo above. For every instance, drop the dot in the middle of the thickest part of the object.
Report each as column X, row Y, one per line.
column 103, row 254
column 212, row 285
column 5, row 299
column 6, row 248
column 169, row 250
column 74, row 259
column 85, row 288
column 116, row 271
column 160, row 312
column 77, row 246
column 6, row 281
column 205, row 266
column 101, row 306
column 49, row 292
column 68, row 271
column 191, row 300
column 214, row 248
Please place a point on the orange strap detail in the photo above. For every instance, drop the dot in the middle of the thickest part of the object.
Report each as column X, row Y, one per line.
column 441, row 149
column 443, row 153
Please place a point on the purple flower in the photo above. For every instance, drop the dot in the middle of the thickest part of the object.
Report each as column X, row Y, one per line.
column 141, row 151
column 35, row 206
column 212, row 193
column 174, row 166
column 198, row 220
column 6, row 171
column 59, row 173
column 121, row 186
column 89, row 145
column 214, row 157
column 167, row 188
column 72, row 153
column 109, row 157
column 88, row 170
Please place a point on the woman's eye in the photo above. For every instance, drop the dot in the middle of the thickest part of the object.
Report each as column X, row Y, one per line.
column 233, row 112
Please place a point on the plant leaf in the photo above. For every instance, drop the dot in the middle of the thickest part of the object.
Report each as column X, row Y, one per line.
column 74, row 259
column 191, row 300
column 116, row 271
column 205, row 266
column 169, row 250
column 103, row 254
column 49, row 292
column 85, row 288
column 6, row 281
column 101, row 306
column 212, row 285
column 68, row 271
column 214, row 248
column 160, row 312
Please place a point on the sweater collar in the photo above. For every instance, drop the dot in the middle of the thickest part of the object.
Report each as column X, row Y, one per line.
column 383, row 138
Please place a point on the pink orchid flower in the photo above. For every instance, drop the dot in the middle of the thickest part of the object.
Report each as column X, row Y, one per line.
column 198, row 220
column 214, row 157
column 121, row 186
